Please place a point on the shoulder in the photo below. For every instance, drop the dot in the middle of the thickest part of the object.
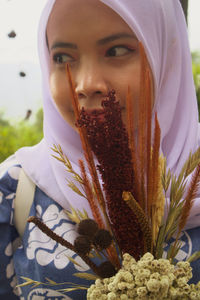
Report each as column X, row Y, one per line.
column 9, row 175
column 9, row 169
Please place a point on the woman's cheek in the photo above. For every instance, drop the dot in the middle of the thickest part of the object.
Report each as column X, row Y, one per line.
column 61, row 96
column 59, row 91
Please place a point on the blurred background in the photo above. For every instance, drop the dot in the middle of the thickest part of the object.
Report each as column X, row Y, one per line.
column 21, row 114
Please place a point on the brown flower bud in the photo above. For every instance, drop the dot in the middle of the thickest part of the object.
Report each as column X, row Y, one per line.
column 82, row 245
column 106, row 270
column 88, row 227
column 102, row 239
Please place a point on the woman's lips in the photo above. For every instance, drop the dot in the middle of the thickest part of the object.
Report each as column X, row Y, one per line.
column 96, row 114
column 94, row 111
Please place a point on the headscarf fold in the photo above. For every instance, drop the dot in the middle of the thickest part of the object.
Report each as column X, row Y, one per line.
column 161, row 27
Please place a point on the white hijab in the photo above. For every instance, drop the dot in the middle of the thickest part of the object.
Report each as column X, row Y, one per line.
column 161, row 27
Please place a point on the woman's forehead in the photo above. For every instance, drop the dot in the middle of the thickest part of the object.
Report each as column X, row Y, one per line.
column 69, row 16
column 69, row 6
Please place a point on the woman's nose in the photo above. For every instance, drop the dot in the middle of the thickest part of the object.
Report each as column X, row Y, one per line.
column 90, row 83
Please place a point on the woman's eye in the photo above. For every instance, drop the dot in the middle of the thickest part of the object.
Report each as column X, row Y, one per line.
column 62, row 58
column 118, row 51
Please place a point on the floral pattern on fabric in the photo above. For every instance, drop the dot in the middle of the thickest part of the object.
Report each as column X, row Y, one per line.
column 35, row 256
column 46, row 294
column 185, row 247
column 45, row 250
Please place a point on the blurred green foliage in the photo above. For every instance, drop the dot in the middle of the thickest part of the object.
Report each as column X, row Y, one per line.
column 17, row 135
column 196, row 74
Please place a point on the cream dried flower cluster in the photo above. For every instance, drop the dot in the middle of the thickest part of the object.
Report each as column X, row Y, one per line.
column 147, row 278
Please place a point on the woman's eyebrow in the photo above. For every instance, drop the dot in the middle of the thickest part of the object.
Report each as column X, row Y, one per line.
column 63, row 45
column 114, row 37
column 102, row 41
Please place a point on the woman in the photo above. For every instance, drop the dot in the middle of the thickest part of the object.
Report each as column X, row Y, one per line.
column 100, row 41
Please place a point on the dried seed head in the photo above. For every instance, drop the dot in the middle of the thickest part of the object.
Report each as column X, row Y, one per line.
column 88, row 227
column 102, row 239
column 106, row 270
column 82, row 245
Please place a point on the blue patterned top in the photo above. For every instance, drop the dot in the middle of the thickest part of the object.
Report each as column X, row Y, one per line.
column 38, row 257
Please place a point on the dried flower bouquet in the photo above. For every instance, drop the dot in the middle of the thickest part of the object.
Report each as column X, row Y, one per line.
column 129, row 228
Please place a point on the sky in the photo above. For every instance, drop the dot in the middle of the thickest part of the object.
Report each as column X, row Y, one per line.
column 194, row 24
column 23, row 17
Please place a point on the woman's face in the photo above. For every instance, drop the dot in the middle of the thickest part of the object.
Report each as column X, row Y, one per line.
column 100, row 48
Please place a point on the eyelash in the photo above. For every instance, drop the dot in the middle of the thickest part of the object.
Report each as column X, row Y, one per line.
column 57, row 56
column 128, row 49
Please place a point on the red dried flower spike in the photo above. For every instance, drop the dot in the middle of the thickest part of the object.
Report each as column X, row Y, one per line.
column 108, row 140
